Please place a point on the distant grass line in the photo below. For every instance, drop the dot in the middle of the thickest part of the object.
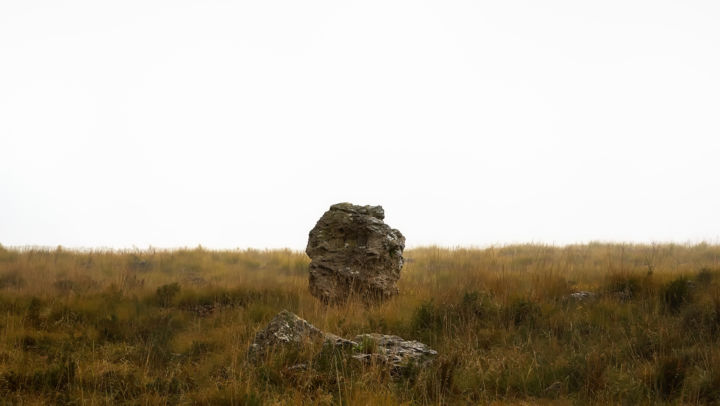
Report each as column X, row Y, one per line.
column 173, row 326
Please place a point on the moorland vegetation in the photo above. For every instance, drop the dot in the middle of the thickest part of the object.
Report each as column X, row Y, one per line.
column 173, row 327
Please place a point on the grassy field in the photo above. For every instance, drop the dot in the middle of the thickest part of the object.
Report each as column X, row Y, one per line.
column 173, row 327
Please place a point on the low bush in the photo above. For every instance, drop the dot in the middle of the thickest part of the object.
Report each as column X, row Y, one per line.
column 676, row 294
column 669, row 376
column 166, row 293
column 521, row 311
column 626, row 286
column 11, row 279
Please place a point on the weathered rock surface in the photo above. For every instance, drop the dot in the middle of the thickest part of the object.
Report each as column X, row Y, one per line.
column 287, row 329
column 583, row 295
column 353, row 252
column 394, row 351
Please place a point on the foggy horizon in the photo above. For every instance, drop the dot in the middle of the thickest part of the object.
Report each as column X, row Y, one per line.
column 237, row 125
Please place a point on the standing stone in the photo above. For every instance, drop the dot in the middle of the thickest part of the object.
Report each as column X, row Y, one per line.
column 353, row 252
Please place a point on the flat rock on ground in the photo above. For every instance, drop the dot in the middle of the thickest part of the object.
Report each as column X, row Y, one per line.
column 583, row 295
column 393, row 351
column 287, row 330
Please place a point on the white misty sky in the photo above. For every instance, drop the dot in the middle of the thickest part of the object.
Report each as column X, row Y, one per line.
column 238, row 123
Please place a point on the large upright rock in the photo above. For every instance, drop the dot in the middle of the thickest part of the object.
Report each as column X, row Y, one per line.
column 354, row 252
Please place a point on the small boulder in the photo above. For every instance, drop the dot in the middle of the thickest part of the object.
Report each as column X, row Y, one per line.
column 393, row 351
column 286, row 329
column 582, row 295
column 353, row 252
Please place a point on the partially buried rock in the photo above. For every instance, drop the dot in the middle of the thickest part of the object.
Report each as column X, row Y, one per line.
column 353, row 252
column 287, row 330
column 582, row 295
column 393, row 351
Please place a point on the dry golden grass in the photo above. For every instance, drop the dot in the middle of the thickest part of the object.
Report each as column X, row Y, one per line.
column 173, row 327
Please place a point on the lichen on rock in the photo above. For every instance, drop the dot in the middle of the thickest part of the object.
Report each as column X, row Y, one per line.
column 353, row 252
column 394, row 351
column 286, row 331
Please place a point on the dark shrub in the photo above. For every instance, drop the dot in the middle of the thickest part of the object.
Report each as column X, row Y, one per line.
column 624, row 286
column 166, row 293
column 676, row 294
column 119, row 386
column 476, row 306
column 522, row 311
column 33, row 312
column 11, row 279
column 53, row 378
column 238, row 297
column 669, row 376
column 111, row 329
column 705, row 276
column 427, row 317
column 64, row 285
column 709, row 392
column 174, row 385
column 200, row 348
column 156, row 332
column 701, row 320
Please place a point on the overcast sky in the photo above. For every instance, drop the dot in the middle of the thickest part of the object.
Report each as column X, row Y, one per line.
column 237, row 124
